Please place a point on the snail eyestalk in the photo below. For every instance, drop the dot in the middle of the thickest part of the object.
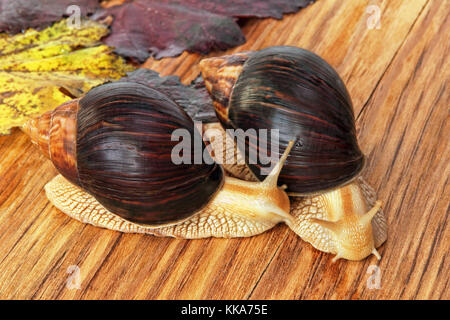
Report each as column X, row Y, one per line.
column 272, row 179
column 367, row 218
column 278, row 194
column 264, row 201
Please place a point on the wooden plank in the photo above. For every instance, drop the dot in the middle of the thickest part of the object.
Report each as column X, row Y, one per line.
column 404, row 132
column 38, row 243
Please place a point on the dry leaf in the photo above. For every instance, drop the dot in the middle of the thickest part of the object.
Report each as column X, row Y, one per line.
column 161, row 28
column 144, row 26
column 194, row 99
column 242, row 8
column 35, row 65
column 164, row 28
column 18, row 15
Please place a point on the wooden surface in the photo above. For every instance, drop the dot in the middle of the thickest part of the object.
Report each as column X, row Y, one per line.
column 398, row 78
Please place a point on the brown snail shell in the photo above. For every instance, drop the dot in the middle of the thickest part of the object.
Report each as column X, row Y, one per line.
column 298, row 93
column 115, row 143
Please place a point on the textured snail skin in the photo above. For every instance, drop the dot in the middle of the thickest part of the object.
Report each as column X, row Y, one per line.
column 240, row 209
column 115, row 143
column 346, row 221
column 298, row 93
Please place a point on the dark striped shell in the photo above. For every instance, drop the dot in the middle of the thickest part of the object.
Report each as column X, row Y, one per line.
column 123, row 155
column 298, row 93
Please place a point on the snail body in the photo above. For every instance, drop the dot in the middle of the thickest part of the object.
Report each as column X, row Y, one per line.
column 346, row 221
column 112, row 148
column 297, row 93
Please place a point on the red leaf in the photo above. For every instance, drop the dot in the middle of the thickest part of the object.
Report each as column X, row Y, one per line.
column 165, row 28
column 18, row 15
column 245, row 8
column 145, row 26
column 160, row 28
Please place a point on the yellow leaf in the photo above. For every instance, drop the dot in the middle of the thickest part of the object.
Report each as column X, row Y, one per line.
column 36, row 64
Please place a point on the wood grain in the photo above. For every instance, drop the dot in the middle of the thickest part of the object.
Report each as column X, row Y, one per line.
column 398, row 79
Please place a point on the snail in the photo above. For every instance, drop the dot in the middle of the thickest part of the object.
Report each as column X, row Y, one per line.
column 112, row 149
column 302, row 96
column 113, row 146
